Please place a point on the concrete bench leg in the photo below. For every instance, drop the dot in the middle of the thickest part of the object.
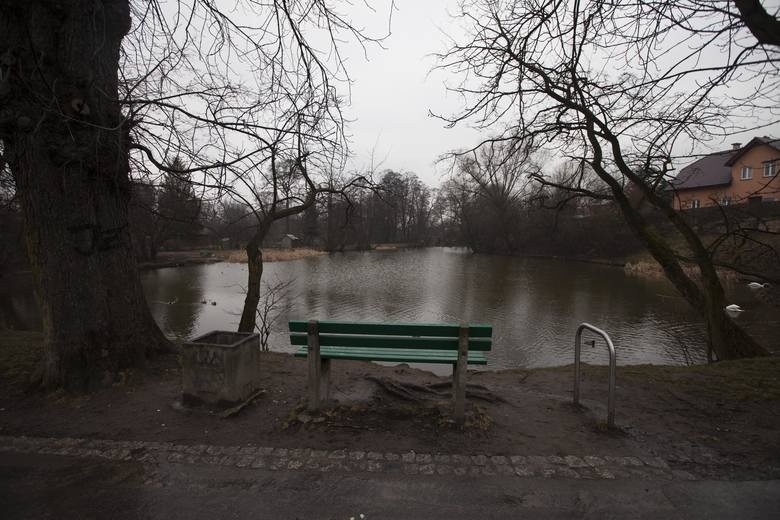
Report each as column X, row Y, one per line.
column 459, row 375
column 325, row 379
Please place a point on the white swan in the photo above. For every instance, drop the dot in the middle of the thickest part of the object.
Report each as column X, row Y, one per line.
column 756, row 285
column 734, row 308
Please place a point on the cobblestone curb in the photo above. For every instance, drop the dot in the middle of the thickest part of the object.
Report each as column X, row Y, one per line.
column 352, row 461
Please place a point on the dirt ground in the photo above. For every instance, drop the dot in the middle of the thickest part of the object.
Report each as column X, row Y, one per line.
column 725, row 414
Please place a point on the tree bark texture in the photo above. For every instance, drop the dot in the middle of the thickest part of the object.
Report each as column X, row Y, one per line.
column 66, row 142
column 254, row 256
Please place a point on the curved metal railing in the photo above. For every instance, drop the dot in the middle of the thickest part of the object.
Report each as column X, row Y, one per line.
column 612, row 363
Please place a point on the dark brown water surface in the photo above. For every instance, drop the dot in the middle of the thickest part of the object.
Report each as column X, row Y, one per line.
column 534, row 305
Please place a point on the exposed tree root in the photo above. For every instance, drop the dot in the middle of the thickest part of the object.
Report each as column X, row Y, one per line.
column 230, row 412
column 417, row 393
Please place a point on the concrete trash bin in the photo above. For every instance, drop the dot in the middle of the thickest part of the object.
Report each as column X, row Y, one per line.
column 220, row 368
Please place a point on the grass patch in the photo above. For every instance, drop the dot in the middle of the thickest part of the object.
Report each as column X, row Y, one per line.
column 270, row 255
column 756, row 379
column 20, row 354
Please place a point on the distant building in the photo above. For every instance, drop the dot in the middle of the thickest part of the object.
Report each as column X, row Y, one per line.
column 737, row 176
column 290, row 241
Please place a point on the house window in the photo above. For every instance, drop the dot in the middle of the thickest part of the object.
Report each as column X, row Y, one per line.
column 724, row 201
column 747, row 173
column 695, row 203
column 770, row 169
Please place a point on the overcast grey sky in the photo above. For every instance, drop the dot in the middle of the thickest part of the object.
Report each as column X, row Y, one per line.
column 394, row 90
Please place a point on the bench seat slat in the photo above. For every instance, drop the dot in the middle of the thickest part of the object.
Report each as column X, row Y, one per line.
column 395, row 354
column 445, row 330
column 389, row 342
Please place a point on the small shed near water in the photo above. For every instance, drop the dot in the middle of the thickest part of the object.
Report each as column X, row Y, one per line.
column 290, row 241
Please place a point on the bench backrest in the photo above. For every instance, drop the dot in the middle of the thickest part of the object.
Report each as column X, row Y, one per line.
column 392, row 335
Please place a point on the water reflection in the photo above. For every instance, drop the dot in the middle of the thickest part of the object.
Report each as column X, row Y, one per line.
column 534, row 305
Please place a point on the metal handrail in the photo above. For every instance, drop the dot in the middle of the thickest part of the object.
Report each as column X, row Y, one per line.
column 612, row 363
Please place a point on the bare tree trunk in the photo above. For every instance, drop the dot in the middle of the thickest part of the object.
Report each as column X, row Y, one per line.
column 66, row 142
column 725, row 338
column 254, row 256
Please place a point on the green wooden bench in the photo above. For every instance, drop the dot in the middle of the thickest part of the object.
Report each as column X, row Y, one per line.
column 322, row 341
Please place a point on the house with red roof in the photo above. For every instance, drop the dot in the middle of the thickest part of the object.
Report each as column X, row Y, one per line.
column 743, row 174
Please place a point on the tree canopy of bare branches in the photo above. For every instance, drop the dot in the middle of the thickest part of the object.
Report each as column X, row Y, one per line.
column 619, row 86
column 92, row 90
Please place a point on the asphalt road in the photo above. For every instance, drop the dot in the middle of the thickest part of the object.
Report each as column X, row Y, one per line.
column 34, row 486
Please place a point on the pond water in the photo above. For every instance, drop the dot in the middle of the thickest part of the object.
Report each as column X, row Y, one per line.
column 534, row 305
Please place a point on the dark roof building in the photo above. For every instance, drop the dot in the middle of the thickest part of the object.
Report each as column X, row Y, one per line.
column 744, row 173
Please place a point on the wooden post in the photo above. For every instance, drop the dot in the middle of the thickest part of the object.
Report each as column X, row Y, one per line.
column 459, row 378
column 325, row 379
column 315, row 366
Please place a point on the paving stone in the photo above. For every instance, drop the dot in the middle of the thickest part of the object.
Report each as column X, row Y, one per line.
column 460, row 471
column 567, row 473
column 299, row 453
column 228, row 460
column 475, row 471
column 427, row 469
column 604, row 473
column 245, row 461
column 499, row 459
column 338, row 454
column 318, row 454
column 392, row 457
column 463, row 460
column 278, row 463
column 356, row 455
column 488, row 471
column 411, row 469
column 295, row 464
column 554, row 459
column 375, row 455
column 443, row 469
column 632, row 461
column 441, row 459
column 408, row 457
column 211, row 460
column 655, row 462
column 265, row 450
column 280, row 452
column 548, row 472
column 575, row 462
column 518, row 460
column 505, row 469
column 424, row 458
column 479, row 460
column 374, row 466
column 212, row 450
column 537, row 460
column 595, row 461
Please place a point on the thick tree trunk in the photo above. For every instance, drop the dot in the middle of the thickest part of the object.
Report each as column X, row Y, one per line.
column 66, row 142
column 254, row 256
